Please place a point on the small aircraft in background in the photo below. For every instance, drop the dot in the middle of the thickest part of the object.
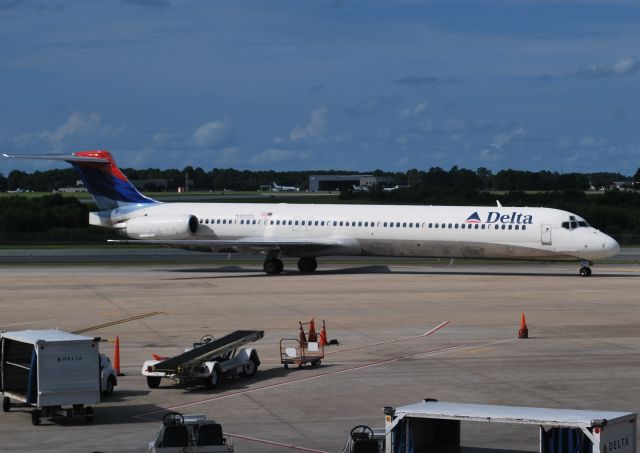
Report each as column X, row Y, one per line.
column 276, row 188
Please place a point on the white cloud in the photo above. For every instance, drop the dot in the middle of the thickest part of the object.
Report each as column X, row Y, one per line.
column 277, row 155
column 621, row 68
column 212, row 134
column 591, row 142
column 425, row 125
column 227, row 156
column 416, row 110
column 316, row 128
column 81, row 129
column 161, row 138
column 499, row 142
column 455, row 125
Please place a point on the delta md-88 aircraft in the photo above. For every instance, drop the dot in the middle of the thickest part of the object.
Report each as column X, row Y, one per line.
column 308, row 231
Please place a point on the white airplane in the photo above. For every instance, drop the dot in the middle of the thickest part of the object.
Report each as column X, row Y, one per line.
column 307, row 231
column 276, row 188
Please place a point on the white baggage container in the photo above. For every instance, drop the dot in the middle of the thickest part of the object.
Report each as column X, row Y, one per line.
column 49, row 369
column 435, row 426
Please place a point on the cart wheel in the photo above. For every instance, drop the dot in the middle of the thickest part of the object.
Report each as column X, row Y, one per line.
column 35, row 417
column 249, row 368
column 6, row 404
column 88, row 414
column 316, row 362
column 153, row 382
column 212, row 381
column 108, row 388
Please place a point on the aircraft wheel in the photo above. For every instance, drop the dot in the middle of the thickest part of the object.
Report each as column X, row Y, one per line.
column 6, row 404
column 273, row 267
column 307, row 264
column 585, row 271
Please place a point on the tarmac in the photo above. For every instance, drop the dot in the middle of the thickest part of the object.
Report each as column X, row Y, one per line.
column 583, row 351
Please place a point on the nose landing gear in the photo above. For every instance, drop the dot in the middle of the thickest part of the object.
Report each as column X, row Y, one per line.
column 585, row 270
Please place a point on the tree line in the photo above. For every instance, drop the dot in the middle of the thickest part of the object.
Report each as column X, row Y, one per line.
column 232, row 179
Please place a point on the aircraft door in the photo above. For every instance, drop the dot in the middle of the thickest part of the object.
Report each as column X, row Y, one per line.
column 546, row 234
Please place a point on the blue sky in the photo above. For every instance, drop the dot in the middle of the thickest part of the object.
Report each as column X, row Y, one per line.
column 525, row 84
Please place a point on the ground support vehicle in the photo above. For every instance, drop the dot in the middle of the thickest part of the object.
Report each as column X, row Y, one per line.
column 108, row 375
column 207, row 361
column 363, row 439
column 435, row 426
column 47, row 370
column 193, row 433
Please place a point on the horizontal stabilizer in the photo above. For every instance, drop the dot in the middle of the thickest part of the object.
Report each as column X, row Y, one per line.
column 63, row 157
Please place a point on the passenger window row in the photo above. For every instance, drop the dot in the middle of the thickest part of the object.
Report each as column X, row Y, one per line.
column 343, row 223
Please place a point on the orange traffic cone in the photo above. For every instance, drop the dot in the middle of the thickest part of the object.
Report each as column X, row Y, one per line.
column 313, row 336
column 323, row 335
column 302, row 337
column 523, row 332
column 116, row 357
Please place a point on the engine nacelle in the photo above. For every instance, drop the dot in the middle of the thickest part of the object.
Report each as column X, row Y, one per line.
column 160, row 227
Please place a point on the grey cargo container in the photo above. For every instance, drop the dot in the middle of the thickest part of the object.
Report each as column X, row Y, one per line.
column 49, row 369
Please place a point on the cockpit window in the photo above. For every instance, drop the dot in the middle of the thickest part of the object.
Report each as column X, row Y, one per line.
column 575, row 224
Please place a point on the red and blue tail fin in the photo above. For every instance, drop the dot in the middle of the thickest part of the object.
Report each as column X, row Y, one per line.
column 104, row 180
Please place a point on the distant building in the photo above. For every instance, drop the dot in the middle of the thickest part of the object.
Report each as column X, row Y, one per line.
column 328, row 183
column 78, row 188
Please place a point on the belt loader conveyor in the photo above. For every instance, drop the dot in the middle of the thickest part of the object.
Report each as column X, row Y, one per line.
column 208, row 360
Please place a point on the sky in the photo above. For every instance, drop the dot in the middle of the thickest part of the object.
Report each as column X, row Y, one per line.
column 335, row 84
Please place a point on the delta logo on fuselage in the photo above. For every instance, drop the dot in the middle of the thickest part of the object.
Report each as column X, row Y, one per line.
column 516, row 218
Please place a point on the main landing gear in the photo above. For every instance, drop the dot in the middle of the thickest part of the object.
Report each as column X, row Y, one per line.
column 273, row 265
column 585, row 270
column 307, row 264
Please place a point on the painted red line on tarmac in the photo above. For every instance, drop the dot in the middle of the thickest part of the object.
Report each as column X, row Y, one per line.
column 276, row 444
column 435, row 329
column 307, row 378
column 426, row 334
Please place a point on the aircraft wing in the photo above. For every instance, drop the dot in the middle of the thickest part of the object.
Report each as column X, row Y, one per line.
column 245, row 244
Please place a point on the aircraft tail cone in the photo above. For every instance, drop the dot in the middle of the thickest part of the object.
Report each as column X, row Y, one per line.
column 116, row 357
column 523, row 332
column 313, row 336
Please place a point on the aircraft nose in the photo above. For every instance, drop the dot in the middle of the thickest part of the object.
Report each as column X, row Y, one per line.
column 610, row 246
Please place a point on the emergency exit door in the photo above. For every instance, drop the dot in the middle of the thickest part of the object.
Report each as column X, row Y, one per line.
column 546, row 235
